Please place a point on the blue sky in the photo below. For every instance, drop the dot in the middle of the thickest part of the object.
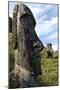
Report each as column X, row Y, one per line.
column 46, row 16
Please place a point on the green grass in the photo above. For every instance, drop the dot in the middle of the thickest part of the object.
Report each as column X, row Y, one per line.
column 49, row 75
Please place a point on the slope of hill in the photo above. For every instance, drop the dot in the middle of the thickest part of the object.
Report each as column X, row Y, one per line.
column 49, row 75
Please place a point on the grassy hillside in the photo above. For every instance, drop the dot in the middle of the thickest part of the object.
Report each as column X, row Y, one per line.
column 49, row 75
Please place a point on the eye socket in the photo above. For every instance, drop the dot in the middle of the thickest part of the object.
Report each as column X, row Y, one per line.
column 26, row 20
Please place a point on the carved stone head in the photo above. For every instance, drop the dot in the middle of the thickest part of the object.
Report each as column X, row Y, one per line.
column 26, row 17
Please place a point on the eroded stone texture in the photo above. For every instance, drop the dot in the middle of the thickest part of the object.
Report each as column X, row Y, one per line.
column 27, row 46
column 14, row 26
column 10, row 24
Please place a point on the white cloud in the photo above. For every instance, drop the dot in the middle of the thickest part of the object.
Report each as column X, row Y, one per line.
column 55, row 47
column 46, row 26
column 54, row 36
column 11, row 15
column 54, row 21
column 41, row 18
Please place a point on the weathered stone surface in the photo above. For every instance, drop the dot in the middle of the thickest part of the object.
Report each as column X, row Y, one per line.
column 10, row 24
column 27, row 46
column 11, row 53
column 14, row 26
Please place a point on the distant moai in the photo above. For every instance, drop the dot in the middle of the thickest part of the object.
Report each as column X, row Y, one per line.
column 49, row 50
column 27, row 47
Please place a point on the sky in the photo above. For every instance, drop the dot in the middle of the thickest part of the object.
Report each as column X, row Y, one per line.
column 46, row 16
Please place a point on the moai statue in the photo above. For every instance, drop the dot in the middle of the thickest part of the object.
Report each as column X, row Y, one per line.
column 28, row 46
column 49, row 50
